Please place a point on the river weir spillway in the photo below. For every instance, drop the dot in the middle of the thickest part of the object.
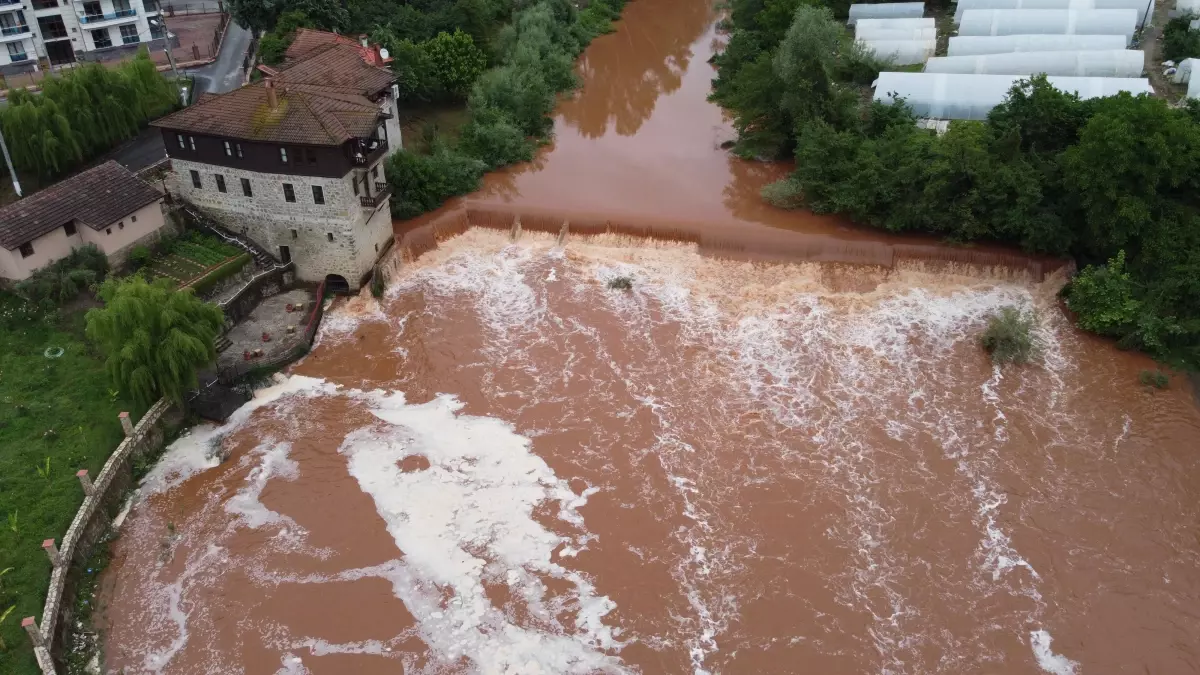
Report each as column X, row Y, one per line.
column 780, row 450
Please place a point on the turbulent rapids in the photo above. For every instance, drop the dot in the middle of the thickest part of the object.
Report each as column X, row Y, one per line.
column 782, row 451
column 735, row 467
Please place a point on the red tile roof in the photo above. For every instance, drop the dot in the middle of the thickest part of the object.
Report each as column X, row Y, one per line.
column 322, row 100
column 308, row 40
column 97, row 198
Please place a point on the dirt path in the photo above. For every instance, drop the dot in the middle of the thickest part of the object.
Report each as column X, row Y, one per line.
column 1152, row 47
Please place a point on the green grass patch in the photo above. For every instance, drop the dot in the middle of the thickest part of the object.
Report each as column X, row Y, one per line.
column 56, row 416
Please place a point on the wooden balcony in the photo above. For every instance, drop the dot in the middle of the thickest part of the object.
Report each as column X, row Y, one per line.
column 382, row 192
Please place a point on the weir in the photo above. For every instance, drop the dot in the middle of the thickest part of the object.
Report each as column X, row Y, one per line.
column 734, row 241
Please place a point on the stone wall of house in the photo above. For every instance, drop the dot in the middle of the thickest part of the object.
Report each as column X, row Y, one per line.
column 337, row 237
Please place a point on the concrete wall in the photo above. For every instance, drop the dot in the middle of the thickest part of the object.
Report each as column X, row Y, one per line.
column 304, row 227
column 115, row 240
column 91, row 522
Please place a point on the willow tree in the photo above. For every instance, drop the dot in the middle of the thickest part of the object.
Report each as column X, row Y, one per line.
column 155, row 338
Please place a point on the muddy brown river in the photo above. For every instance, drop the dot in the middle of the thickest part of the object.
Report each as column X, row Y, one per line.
column 781, row 451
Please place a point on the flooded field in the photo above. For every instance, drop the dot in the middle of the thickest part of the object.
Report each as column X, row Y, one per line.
column 759, row 459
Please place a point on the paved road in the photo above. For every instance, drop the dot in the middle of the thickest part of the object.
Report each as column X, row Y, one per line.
column 225, row 74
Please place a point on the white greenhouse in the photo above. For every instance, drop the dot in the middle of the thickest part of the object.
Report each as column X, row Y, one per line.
column 895, row 33
column 1050, row 22
column 970, row 97
column 1183, row 73
column 894, row 24
column 886, row 10
column 902, row 52
column 1142, row 6
column 1194, row 88
column 1110, row 63
column 970, row 45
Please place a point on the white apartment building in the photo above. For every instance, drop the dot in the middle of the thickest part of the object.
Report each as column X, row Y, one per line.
column 40, row 34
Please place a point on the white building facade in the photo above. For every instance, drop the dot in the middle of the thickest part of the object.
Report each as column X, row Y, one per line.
column 40, row 34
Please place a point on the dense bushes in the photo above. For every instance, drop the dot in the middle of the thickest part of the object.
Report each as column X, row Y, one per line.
column 1111, row 179
column 509, row 105
column 82, row 113
column 59, row 282
column 1179, row 40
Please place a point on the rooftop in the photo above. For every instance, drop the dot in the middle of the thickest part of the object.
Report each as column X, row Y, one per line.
column 96, row 198
column 324, row 97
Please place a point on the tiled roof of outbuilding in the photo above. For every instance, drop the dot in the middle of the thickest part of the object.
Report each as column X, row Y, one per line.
column 96, row 198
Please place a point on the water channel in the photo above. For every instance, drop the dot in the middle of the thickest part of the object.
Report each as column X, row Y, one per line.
column 761, row 459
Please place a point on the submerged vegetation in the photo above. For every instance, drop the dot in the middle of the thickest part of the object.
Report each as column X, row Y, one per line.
column 1112, row 182
column 1009, row 336
column 621, row 283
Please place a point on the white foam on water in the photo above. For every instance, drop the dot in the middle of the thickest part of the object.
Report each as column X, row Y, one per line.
column 468, row 517
column 273, row 463
column 290, row 664
column 1047, row 660
column 172, row 596
column 199, row 448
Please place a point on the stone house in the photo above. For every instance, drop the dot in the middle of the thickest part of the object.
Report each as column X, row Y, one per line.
column 107, row 206
column 296, row 161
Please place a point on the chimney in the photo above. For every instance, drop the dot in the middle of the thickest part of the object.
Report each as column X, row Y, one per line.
column 272, row 97
column 362, row 40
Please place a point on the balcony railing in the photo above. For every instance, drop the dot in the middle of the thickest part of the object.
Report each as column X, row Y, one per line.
column 374, row 149
column 382, row 192
column 7, row 3
column 97, row 18
column 55, row 34
column 8, row 31
column 17, row 58
column 45, row 4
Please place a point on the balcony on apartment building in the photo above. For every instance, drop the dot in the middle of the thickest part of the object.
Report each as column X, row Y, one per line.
column 13, row 29
column 382, row 192
column 96, row 20
column 9, row 3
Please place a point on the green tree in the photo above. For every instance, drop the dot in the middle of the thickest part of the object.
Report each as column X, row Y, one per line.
column 454, row 61
column 424, row 182
column 1103, row 298
column 255, row 15
column 155, row 338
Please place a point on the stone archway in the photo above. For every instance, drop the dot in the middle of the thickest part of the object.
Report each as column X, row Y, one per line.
column 336, row 283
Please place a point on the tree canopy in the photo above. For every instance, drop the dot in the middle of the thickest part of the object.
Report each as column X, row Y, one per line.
column 155, row 337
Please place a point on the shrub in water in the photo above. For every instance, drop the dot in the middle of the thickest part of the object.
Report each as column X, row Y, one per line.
column 1009, row 336
column 378, row 285
column 1156, row 379
column 621, row 284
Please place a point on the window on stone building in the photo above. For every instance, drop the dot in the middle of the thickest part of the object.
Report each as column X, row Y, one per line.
column 195, row 179
column 355, row 182
column 289, row 192
column 239, row 149
column 220, row 183
column 228, row 149
column 69, row 229
column 375, row 172
column 318, row 195
column 246, row 187
column 181, row 143
column 329, row 236
column 26, row 249
column 312, row 155
column 283, row 155
column 192, row 142
column 295, row 234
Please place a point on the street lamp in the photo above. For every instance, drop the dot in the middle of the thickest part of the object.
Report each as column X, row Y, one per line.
column 160, row 21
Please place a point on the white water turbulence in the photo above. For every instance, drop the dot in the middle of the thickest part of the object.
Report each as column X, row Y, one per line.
column 467, row 519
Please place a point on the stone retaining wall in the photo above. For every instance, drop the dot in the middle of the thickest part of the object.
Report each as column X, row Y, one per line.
column 91, row 522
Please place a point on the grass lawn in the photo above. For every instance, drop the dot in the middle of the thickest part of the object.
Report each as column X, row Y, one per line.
column 39, row 493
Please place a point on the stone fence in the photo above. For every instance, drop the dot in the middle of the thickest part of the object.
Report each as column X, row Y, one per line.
column 265, row 284
column 91, row 522
column 234, row 373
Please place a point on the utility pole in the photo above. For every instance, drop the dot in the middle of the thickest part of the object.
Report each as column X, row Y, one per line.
column 170, row 52
column 8, row 161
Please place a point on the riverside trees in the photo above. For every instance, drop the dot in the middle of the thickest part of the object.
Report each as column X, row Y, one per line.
column 1112, row 182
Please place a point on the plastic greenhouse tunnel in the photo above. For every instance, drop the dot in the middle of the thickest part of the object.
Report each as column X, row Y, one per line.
column 969, row 45
column 902, row 52
column 886, row 10
column 970, row 97
column 1142, row 6
column 1110, row 63
column 1050, row 22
